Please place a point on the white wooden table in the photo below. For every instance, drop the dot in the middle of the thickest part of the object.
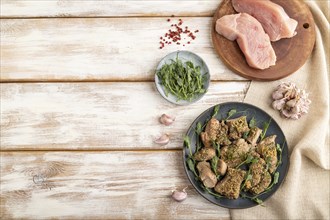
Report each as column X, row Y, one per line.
column 79, row 109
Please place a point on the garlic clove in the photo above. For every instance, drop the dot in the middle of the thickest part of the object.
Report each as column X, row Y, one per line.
column 166, row 119
column 287, row 113
column 278, row 104
column 163, row 139
column 277, row 95
column 179, row 196
column 295, row 109
column 291, row 103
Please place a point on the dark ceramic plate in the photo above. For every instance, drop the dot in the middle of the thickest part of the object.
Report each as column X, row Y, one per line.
column 261, row 117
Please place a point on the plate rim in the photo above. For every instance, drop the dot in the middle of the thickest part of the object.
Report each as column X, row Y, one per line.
column 187, row 169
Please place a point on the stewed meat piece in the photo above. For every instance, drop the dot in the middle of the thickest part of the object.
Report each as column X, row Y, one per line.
column 230, row 185
column 212, row 128
column 237, row 127
column 267, row 149
column 211, row 132
column 257, row 170
column 253, row 136
column 265, row 181
column 235, row 153
column 204, row 154
column 206, row 175
column 222, row 137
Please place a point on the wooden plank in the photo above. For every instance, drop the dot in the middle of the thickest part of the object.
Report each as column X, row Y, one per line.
column 53, row 116
column 97, row 49
column 90, row 8
column 99, row 185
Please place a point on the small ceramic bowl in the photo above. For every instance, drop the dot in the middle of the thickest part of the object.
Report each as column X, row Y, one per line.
column 184, row 56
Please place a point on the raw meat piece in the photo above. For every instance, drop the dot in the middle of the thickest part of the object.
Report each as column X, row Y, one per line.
column 251, row 38
column 276, row 23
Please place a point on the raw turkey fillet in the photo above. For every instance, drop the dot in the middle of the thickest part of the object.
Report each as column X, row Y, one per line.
column 273, row 18
column 251, row 38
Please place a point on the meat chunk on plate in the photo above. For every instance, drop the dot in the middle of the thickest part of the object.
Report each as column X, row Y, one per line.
column 257, row 170
column 222, row 137
column 253, row 136
column 237, row 127
column 206, row 175
column 211, row 132
column 204, row 154
column 206, row 140
column 267, row 149
column 275, row 21
column 265, row 181
column 212, row 128
column 230, row 185
column 235, row 153
column 251, row 38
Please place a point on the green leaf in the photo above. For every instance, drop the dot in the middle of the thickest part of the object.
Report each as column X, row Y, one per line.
column 198, row 131
column 279, row 151
column 278, row 148
column 231, row 113
column 199, row 128
column 255, row 160
column 249, row 177
column 264, row 131
column 252, row 122
column 268, row 162
column 214, row 165
column 191, row 166
column 245, row 135
column 216, row 110
column 216, row 146
column 212, row 193
column 257, row 200
column 249, row 159
column 186, row 141
column 276, row 176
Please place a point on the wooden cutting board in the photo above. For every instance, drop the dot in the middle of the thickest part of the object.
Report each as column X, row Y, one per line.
column 291, row 53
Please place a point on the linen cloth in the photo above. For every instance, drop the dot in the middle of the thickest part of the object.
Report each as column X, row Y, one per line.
column 305, row 192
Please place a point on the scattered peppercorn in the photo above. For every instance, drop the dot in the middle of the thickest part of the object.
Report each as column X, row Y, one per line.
column 177, row 35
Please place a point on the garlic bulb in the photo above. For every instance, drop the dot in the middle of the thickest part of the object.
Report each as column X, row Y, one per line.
column 179, row 196
column 290, row 101
column 166, row 119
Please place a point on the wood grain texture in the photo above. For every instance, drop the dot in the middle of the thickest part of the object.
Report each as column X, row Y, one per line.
column 102, row 185
column 90, row 116
column 97, row 49
column 90, row 8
